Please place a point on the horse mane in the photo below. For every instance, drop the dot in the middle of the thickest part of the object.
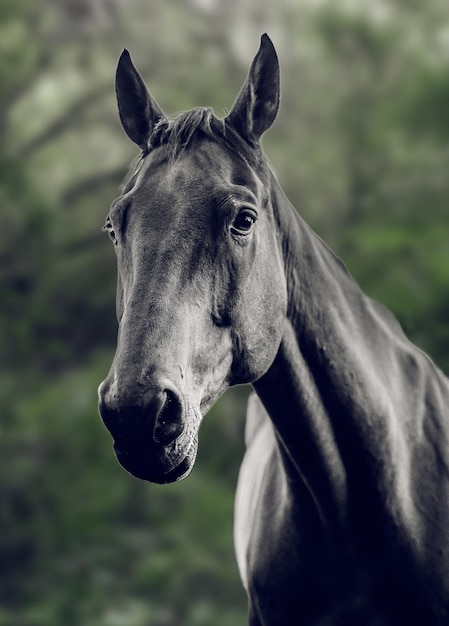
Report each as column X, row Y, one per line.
column 175, row 135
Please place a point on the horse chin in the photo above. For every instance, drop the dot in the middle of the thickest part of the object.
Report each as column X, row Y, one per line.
column 141, row 464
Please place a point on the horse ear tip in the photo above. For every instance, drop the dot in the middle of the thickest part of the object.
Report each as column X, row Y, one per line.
column 265, row 40
column 267, row 46
column 125, row 57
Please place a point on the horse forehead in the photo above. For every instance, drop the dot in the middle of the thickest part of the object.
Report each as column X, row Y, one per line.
column 199, row 170
column 203, row 167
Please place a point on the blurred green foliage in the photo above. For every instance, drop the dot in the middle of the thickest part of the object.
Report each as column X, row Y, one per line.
column 361, row 147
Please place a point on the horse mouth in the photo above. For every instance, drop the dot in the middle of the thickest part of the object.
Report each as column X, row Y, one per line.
column 158, row 465
column 142, row 466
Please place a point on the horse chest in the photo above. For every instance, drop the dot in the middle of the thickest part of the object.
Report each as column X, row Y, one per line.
column 279, row 542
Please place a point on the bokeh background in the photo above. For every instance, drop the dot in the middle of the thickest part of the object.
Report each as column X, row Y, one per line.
column 361, row 147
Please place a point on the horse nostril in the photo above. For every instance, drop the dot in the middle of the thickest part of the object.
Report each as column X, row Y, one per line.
column 169, row 423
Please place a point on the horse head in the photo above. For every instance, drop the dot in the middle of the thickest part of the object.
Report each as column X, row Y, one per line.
column 201, row 297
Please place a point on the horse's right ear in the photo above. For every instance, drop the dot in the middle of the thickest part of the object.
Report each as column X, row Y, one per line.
column 138, row 111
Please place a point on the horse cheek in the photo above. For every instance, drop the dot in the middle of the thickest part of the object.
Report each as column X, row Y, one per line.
column 264, row 323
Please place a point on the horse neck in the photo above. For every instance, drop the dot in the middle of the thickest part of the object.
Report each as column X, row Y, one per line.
column 347, row 392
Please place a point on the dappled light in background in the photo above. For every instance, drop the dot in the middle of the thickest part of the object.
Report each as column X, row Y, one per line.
column 361, row 147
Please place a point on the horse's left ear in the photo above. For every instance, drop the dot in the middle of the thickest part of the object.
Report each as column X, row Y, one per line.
column 138, row 111
column 257, row 104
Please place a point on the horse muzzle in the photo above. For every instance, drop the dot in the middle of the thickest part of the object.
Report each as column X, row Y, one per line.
column 155, row 433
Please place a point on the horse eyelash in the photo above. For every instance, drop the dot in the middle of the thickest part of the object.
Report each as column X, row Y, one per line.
column 107, row 225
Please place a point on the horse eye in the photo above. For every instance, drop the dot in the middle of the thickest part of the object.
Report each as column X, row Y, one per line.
column 244, row 222
column 109, row 229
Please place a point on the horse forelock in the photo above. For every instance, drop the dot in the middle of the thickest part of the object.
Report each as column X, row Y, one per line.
column 179, row 133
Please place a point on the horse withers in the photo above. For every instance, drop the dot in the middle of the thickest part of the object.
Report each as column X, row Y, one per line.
column 342, row 505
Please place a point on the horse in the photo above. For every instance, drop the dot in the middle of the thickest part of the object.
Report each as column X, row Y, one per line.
column 342, row 503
